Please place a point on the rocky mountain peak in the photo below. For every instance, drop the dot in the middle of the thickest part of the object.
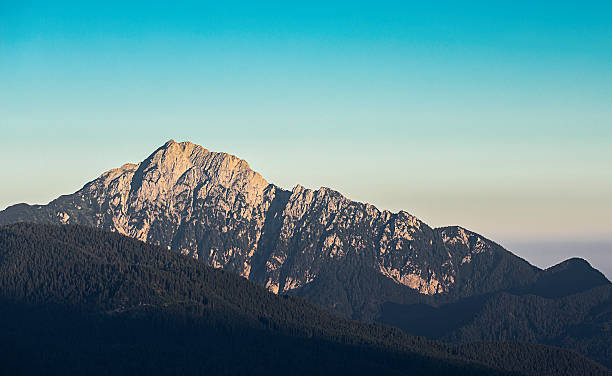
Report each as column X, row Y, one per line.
column 342, row 254
column 177, row 167
column 214, row 207
column 136, row 199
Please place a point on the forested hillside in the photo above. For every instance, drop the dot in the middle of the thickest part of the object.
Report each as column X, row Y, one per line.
column 569, row 305
column 80, row 300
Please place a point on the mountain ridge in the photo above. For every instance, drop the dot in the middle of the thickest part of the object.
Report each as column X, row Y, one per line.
column 160, row 200
column 348, row 256
column 178, row 176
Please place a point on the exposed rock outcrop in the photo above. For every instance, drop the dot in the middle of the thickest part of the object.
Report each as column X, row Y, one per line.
column 213, row 207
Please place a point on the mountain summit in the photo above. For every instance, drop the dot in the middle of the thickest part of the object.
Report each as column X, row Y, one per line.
column 365, row 263
column 213, row 207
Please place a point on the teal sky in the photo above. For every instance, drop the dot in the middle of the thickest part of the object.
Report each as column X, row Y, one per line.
column 497, row 117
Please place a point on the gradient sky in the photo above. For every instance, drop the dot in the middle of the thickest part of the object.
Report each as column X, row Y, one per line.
column 493, row 115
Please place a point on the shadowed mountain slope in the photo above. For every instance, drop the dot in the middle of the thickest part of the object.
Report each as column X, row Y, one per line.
column 569, row 305
column 80, row 300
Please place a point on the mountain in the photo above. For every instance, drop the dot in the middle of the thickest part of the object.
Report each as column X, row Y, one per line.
column 79, row 300
column 364, row 263
column 566, row 278
column 582, row 321
column 213, row 207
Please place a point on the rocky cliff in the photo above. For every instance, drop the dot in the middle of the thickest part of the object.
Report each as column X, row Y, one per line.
column 213, row 207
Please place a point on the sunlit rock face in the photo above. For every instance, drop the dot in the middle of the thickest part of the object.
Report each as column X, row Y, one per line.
column 213, row 207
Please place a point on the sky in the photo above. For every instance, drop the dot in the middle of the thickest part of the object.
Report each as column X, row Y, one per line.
column 496, row 116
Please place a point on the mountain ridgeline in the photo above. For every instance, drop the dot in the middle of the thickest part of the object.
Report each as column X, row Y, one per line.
column 362, row 262
column 79, row 300
column 213, row 207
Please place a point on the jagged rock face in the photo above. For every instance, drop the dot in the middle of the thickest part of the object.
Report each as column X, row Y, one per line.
column 213, row 207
